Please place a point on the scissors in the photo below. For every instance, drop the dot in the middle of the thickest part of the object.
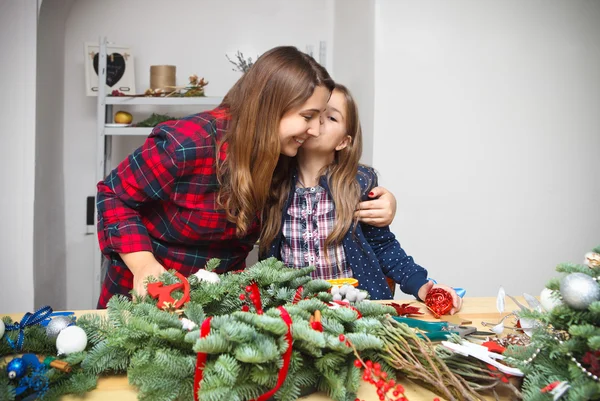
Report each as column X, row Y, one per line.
column 440, row 331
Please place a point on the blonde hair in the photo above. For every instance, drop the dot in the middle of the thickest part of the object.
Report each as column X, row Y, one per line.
column 280, row 80
column 341, row 177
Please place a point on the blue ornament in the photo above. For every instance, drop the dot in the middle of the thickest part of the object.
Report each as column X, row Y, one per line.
column 16, row 368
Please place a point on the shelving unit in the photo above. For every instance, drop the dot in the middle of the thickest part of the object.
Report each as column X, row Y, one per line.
column 104, row 110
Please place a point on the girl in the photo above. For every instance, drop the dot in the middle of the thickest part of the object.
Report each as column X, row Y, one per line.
column 310, row 214
column 196, row 188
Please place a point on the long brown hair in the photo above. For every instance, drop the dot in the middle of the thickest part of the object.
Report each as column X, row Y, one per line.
column 280, row 80
column 341, row 177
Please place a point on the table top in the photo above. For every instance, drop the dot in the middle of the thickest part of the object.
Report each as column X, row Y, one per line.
column 474, row 309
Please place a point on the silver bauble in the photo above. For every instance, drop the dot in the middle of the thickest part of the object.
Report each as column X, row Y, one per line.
column 56, row 325
column 579, row 290
column 2, row 328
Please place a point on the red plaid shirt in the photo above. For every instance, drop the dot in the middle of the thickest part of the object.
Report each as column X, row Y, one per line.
column 162, row 199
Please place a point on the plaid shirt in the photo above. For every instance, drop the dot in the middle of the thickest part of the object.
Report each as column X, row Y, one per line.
column 309, row 220
column 162, row 199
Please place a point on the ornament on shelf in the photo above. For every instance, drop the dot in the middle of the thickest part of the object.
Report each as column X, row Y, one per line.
column 2, row 328
column 208, row 276
column 70, row 340
column 549, row 299
column 592, row 259
column 439, row 301
column 579, row 290
column 56, row 325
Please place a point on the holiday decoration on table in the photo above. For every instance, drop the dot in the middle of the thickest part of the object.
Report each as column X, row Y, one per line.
column 439, row 301
column 565, row 339
column 267, row 331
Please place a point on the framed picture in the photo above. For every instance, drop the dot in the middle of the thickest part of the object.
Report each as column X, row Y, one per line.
column 119, row 69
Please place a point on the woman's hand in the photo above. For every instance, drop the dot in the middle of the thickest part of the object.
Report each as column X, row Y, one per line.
column 142, row 265
column 380, row 211
column 456, row 300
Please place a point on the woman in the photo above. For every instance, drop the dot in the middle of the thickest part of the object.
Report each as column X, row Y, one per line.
column 197, row 187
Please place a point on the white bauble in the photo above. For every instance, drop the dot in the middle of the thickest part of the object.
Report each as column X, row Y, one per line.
column 187, row 324
column 337, row 297
column 351, row 295
column 549, row 299
column 205, row 275
column 335, row 290
column 361, row 296
column 2, row 328
column 70, row 340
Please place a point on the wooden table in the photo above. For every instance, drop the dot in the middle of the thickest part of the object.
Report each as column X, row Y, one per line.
column 474, row 309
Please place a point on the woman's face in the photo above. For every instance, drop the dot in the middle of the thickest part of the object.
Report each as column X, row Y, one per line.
column 299, row 124
column 333, row 127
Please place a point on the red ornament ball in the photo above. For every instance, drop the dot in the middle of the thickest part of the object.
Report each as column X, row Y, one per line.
column 439, row 301
column 242, row 297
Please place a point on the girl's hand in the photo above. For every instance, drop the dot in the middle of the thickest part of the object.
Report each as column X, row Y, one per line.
column 456, row 300
column 380, row 211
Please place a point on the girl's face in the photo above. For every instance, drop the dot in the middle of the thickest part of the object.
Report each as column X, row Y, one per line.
column 333, row 128
column 299, row 124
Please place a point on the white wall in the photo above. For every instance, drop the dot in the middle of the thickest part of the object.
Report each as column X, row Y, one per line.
column 487, row 130
column 194, row 36
column 49, row 214
column 18, row 23
column 353, row 60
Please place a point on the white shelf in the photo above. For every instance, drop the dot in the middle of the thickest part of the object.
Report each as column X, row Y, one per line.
column 125, row 100
column 127, row 131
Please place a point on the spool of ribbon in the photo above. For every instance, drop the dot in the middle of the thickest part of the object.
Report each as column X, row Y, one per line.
column 29, row 319
column 48, row 319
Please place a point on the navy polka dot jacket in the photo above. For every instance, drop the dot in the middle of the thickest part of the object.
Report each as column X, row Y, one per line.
column 373, row 253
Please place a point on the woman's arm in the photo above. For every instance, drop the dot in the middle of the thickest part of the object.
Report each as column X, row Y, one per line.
column 380, row 211
column 149, row 174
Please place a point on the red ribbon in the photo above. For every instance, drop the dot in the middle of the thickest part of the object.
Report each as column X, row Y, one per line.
column 287, row 356
column 201, row 358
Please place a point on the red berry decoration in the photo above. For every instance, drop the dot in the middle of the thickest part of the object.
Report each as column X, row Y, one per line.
column 242, row 297
column 439, row 301
column 342, row 337
column 245, row 308
column 248, row 288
